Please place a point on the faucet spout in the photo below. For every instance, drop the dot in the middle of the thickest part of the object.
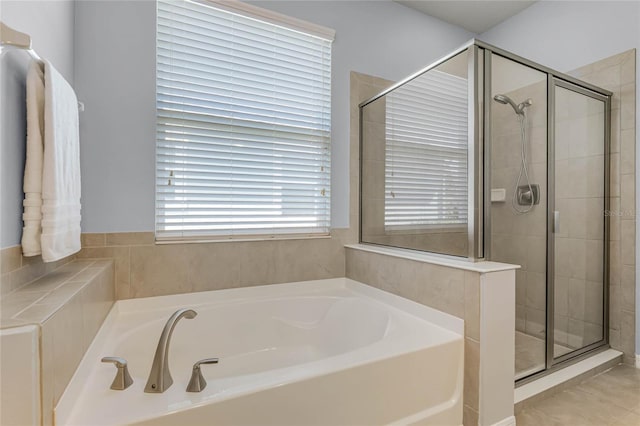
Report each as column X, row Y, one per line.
column 160, row 378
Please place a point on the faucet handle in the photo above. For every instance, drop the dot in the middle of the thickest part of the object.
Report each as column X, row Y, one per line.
column 122, row 380
column 197, row 382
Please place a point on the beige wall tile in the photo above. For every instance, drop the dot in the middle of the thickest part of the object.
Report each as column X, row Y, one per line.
column 577, row 258
column 469, row 416
column 628, row 145
column 472, row 305
column 121, row 255
column 614, row 219
column 443, row 288
column 614, row 175
column 130, row 238
column 627, row 336
column 96, row 299
column 62, row 294
column 521, row 287
column 607, row 78
column 67, row 333
column 471, row 373
column 158, row 270
column 17, row 278
column 47, row 373
column 535, row 322
column 10, row 259
column 37, row 313
column 50, row 281
column 536, row 254
column 628, row 67
column 615, row 307
column 16, row 302
column 31, row 269
column 92, row 240
column 594, row 260
column 439, row 287
column 595, row 218
column 615, row 130
column 536, row 290
column 615, row 262
column 561, row 291
column 614, row 339
column 628, row 288
column 627, row 195
column 68, row 344
column 627, row 106
column 627, row 242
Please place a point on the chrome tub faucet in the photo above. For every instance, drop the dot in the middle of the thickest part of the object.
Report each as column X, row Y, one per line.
column 160, row 378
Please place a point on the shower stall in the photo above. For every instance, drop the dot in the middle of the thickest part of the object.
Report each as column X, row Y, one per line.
column 489, row 156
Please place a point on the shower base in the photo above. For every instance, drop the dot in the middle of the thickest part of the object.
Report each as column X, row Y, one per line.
column 530, row 353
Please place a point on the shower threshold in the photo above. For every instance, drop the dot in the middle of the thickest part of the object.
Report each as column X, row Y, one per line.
column 530, row 354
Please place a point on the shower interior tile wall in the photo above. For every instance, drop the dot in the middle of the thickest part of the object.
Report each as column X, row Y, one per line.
column 521, row 238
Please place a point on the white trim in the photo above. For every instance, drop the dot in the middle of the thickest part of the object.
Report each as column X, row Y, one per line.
column 275, row 18
column 509, row 421
column 435, row 259
column 497, row 344
column 637, row 360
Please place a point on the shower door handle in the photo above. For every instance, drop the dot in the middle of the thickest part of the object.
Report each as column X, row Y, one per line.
column 556, row 222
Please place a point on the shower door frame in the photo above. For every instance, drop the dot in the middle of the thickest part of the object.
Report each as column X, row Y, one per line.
column 551, row 361
column 554, row 78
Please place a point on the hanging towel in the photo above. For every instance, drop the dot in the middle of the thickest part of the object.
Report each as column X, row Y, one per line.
column 61, row 169
column 32, row 187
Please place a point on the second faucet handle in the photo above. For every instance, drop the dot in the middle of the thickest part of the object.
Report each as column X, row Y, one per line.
column 197, row 382
column 122, row 380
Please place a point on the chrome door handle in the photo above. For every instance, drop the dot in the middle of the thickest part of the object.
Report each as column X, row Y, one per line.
column 556, row 222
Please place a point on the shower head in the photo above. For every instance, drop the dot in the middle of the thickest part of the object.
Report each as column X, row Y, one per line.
column 519, row 109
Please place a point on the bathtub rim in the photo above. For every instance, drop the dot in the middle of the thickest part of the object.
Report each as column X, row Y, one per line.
column 64, row 409
column 270, row 291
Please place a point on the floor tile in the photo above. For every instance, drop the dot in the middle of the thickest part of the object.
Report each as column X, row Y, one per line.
column 611, row 398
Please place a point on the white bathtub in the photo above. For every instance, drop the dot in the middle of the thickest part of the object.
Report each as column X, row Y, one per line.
column 329, row 352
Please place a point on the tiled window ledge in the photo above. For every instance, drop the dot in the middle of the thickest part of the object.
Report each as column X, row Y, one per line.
column 36, row 302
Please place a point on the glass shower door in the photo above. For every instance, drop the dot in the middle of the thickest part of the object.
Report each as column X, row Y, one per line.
column 577, row 221
column 518, row 105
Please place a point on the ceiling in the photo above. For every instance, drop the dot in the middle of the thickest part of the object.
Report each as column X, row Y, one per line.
column 476, row 16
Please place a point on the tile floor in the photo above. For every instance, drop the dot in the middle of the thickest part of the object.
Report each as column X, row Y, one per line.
column 610, row 398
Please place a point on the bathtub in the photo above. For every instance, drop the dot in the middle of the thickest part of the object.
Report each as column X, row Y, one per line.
column 327, row 352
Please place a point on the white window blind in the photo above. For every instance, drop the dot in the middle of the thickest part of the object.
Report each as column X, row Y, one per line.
column 426, row 152
column 243, row 124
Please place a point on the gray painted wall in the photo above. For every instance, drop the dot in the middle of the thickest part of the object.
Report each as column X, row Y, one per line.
column 115, row 71
column 565, row 36
column 50, row 25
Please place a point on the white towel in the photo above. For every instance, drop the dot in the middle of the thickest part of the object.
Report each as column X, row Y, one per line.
column 32, row 187
column 61, row 169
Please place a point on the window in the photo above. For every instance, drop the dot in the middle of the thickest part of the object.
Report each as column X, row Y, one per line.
column 426, row 153
column 243, row 122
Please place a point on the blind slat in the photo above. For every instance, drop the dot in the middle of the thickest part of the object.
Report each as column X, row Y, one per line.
column 426, row 152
